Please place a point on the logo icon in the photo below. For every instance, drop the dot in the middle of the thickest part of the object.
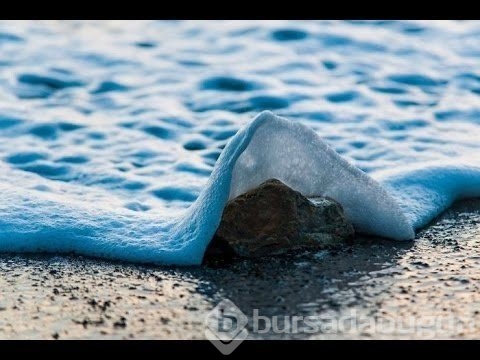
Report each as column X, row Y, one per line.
column 226, row 326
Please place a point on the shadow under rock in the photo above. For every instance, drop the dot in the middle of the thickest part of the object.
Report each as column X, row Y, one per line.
column 304, row 284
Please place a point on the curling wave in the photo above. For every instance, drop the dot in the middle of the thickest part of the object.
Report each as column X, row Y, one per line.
column 388, row 204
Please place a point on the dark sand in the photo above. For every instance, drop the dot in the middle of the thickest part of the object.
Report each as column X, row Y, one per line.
column 435, row 277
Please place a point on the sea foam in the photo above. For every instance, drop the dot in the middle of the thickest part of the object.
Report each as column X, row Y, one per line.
column 387, row 204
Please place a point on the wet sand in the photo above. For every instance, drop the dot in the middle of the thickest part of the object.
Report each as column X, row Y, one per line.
column 435, row 277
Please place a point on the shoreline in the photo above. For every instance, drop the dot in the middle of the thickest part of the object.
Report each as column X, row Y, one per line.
column 73, row 297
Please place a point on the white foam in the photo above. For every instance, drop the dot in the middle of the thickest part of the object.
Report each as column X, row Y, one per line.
column 268, row 147
column 294, row 154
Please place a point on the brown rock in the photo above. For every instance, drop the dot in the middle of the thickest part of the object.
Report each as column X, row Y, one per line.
column 274, row 219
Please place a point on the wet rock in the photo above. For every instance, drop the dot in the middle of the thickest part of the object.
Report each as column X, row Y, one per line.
column 274, row 219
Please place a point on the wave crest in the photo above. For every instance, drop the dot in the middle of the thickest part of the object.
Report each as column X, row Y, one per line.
column 268, row 147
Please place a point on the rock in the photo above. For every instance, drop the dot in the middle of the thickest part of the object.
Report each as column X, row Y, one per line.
column 274, row 219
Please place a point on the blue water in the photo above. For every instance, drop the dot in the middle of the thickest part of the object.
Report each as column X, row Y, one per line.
column 113, row 135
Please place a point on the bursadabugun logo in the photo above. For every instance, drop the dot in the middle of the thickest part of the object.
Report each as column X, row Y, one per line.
column 226, row 326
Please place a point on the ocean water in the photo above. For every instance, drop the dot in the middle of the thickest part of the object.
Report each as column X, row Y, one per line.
column 124, row 139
